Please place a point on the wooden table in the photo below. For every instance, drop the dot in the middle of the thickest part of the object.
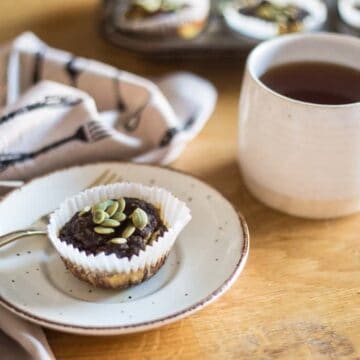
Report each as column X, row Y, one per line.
column 299, row 296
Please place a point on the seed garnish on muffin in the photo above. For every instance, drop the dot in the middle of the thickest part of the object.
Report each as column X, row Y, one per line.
column 140, row 9
column 162, row 18
column 263, row 19
column 289, row 17
column 118, row 226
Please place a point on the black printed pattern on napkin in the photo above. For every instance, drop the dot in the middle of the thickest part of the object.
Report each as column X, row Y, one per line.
column 90, row 132
column 49, row 101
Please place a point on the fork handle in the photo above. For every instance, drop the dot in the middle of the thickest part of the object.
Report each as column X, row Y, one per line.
column 15, row 235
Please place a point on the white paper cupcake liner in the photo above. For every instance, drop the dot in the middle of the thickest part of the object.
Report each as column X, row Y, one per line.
column 349, row 12
column 174, row 213
column 261, row 29
column 197, row 11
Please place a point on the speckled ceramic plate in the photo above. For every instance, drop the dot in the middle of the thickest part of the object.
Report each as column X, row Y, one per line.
column 205, row 261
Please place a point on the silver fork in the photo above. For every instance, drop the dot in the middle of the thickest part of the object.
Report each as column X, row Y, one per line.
column 106, row 177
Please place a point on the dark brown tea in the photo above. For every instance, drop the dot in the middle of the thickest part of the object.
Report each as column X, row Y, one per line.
column 315, row 82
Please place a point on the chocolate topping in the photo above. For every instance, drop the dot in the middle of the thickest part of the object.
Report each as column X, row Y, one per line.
column 79, row 232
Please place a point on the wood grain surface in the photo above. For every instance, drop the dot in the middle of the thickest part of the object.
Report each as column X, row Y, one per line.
column 299, row 296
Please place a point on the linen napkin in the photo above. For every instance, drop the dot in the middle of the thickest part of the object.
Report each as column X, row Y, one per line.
column 20, row 340
column 59, row 110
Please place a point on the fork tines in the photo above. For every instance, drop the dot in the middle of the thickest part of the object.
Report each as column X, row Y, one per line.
column 106, row 177
column 96, row 131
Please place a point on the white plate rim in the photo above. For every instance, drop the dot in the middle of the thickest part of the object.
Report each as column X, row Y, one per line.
column 143, row 326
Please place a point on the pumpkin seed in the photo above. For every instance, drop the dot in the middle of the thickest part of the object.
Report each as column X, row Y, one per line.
column 110, row 223
column 118, row 241
column 99, row 216
column 122, row 204
column 128, row 231
column 103, row 205
column 103, row 230
column 111, row 210
column 119, row 216
column 85, row 210
column 139, row 218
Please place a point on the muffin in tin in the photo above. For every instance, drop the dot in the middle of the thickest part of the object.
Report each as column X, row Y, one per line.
column 349, row 11
column 171, row 18
column 264, row 19
column 117, row 235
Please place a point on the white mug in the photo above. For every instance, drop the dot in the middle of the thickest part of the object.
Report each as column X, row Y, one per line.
column 297, row 157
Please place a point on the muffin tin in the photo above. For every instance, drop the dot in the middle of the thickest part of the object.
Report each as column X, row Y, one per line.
column 217, row 39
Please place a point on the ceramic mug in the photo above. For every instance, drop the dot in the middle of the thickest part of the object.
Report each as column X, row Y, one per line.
column 297, row 157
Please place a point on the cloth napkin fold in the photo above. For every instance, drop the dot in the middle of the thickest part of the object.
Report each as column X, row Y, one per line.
column 60, row 110
column 20, row 340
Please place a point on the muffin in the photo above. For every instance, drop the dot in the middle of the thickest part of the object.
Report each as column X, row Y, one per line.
column 180, row 18
column 264, row 19
column 349, row 11
column 117, row 235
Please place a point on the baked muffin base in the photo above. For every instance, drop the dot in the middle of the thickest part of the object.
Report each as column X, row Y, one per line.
column 121, row 280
